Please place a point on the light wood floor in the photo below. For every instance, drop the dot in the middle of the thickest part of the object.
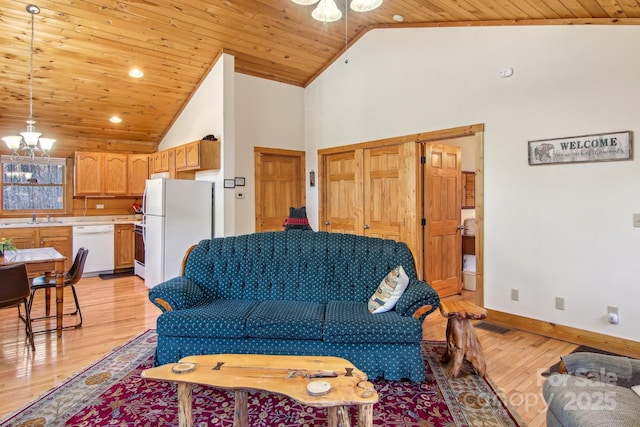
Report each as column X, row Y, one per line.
column 116, row 310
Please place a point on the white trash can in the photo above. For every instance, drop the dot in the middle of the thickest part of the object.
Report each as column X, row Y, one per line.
column 469, row 280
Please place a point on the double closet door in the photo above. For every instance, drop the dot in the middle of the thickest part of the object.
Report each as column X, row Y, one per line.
column 365, row 191
column 404, row 191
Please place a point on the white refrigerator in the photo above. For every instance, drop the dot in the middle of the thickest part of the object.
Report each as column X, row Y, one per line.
column 177, row 214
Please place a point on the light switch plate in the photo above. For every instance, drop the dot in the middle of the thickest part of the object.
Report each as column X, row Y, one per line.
column 636, row 220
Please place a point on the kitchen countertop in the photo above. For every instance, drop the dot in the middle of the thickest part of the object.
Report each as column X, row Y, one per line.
column 69, row 221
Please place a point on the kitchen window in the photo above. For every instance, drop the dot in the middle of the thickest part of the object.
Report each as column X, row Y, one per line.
column 29, row 187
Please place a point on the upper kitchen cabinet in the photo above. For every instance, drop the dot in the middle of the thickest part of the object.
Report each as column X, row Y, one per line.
column 115, row 174
column 156, row 162
column 185, row 160
column 87, row 174
column 110, row 174
column 137, row 174
column 164, row 161
column 198, row 155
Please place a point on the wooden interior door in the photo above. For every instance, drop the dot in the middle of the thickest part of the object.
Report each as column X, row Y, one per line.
column 442, row 261
column 280, row 184
column 342, row 199
column 383, row 187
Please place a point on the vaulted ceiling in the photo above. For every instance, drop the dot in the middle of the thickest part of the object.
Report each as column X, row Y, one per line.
column 84, row 50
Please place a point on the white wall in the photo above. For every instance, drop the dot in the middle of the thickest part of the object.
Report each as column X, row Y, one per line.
column 268, row 114
column 211, row 111
column 554, row 230
column 244, row 112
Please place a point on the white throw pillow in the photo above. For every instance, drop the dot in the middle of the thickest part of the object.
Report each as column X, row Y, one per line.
column 389, row 291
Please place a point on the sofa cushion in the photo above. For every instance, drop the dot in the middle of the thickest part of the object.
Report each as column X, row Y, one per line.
column 216, row 319
column 576, row 402
column 351, row 322
column 286, row 319
column 296, row 265
column 389, row 291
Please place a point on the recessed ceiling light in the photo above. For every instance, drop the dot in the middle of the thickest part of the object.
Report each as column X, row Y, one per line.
column 136, row 73
column 115, row 119
column 398, row 18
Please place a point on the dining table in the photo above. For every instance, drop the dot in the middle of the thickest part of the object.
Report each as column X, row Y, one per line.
column 47, row 261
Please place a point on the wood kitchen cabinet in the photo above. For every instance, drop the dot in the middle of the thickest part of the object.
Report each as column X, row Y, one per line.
column 22, row 238
column 138, row 173
column 59, row 238
column 165, row 157
column 184, row 160
column 164, row 161
column 198, row 155
column 124, row 246
column 156, row 162
column 115, row 174
column 110, row 174
column 88, row 172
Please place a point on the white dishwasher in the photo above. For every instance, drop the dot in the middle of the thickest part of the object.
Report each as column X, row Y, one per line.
column 99, row 240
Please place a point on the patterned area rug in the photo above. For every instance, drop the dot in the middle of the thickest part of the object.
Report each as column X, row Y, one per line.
column 112, row 393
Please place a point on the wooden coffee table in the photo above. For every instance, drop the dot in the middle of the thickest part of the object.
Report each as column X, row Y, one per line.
column 287, row 375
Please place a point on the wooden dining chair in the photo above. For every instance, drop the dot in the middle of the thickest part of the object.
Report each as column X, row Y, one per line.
column 15, row 290
column 47, row 283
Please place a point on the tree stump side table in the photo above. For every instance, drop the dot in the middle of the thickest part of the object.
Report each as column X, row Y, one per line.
column 462, row 341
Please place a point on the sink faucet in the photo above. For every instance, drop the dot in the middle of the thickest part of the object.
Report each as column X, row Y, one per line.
column 33, row 217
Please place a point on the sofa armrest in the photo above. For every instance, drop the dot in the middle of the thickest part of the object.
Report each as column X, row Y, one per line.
column 596, row 365
column 175, row 294
column 418, row 294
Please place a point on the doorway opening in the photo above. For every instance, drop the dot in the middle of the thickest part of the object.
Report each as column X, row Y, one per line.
column 470, row 222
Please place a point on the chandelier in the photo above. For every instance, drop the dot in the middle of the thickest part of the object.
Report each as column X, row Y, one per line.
column 327, row 10
column 28, row 144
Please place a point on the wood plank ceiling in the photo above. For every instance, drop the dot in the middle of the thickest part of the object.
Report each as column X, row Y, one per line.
column 85, row 48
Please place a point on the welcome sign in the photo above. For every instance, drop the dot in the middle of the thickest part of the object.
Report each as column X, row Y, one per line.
column 587, row 148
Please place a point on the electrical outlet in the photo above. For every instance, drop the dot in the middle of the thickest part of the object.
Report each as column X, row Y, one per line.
column 636, row 220
column 559, row 303
column 100, row 206
column 515, row 295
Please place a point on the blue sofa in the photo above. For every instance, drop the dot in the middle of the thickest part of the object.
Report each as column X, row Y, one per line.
column 294, row 292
